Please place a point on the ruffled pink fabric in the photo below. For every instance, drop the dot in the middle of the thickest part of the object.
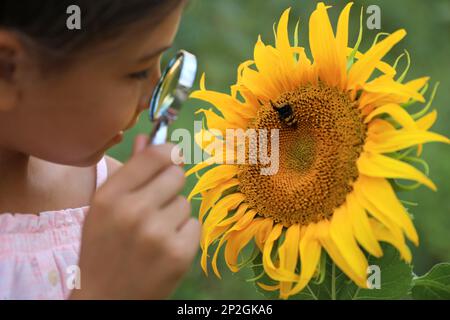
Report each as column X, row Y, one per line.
column 38, row 253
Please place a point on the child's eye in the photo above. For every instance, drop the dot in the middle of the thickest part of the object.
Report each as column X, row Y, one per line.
column 141, row 75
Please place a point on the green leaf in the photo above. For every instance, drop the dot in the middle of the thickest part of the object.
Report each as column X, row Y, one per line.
column 395, row 280
column 435, row 285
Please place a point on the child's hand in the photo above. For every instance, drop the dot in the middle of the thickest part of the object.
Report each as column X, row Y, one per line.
column 138, row 238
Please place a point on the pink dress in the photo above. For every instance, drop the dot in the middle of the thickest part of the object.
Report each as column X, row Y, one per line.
column 38, row 253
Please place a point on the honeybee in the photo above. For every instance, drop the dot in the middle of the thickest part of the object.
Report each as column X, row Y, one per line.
column 285, row 113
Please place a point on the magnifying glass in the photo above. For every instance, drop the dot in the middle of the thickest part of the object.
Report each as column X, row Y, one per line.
column 171, row 91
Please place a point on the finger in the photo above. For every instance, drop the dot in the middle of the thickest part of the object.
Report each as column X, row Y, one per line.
column 164, row 187
column 181, row 158
column 169, row 219
column 176, row 213
column 140, row 169
column 140, row 142
column 188, row 236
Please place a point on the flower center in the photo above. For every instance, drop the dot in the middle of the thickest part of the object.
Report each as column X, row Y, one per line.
column 319, row 144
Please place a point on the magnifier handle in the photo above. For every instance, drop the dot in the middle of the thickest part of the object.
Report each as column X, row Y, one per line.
column 158, row 135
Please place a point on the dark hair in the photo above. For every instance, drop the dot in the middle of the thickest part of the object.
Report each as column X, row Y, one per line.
column 44, row 21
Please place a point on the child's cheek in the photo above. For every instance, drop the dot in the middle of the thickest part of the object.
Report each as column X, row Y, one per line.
column 123, row 108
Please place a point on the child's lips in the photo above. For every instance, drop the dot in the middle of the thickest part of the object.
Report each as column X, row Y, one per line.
column 118, row 137
column 115, row 140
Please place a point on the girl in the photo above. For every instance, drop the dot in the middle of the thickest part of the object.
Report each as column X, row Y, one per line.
column 66, row 96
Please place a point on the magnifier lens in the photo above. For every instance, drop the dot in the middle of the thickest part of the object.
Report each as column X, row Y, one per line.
column 172, row 90
column 165, row 91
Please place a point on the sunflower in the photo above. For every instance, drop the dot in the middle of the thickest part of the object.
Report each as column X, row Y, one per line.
column 339, row 164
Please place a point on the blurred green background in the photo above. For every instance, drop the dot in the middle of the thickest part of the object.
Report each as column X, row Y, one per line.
column 222, row 34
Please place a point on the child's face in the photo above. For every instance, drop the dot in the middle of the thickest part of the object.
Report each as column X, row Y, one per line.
column 74, row 116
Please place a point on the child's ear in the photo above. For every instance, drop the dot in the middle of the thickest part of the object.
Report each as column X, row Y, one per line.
column 11, row 52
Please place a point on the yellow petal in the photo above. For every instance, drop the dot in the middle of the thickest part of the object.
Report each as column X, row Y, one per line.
column 250, row 99
column 244, row 218
column 203, row 81
column 237, row 241
column 379, row 192
column 309, row 251
column 308, row 74
column 232, row 110
column 396, row 112
column 268, row 287
column 285, row 63
column 221, row 208
column 210, row 145
column 341, row 233
column 400, row 139
column 342, row 40
column 376, row 99
column 221, row 152
column 244, row 221
column 224, row 150
column 238, row 215
column 213, row 177
column 204, row 137
column 218, row 213
column 240, row 68
column 363, row 68
column 418, row 83
column 269, row 267
column 377, row 165
column 323, row 228
column 300, row 73
column 269, row 64
column 289, row 253
column 383, row 234
column 386, row 84
column 217, row 159
column 259, row 85
column 282, row 37
column 382, row 66
column 330, row 64
column 211, row 196
column 361, row 227
column 197, row 167
column 385, row 219
column 372, row 100
column 342, row 27
column 216, row 122
column 263, row 233
column 427, row 121
column 378, row 126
